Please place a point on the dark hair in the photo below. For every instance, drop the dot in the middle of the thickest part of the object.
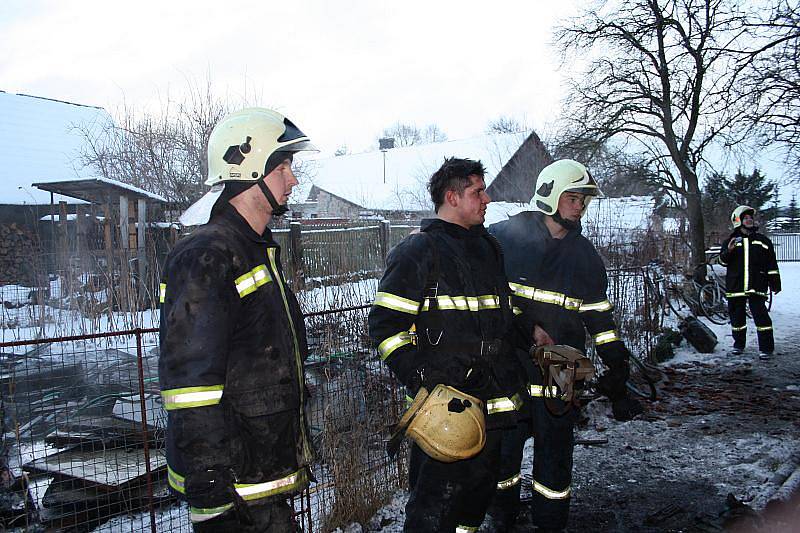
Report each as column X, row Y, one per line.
column 453, row 176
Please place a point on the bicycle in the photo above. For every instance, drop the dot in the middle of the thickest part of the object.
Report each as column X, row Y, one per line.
column 704, row 299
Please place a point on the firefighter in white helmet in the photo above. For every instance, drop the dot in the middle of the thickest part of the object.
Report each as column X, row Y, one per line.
column 559, row 284
column 233, row 340
column 752, row 271
column 439, row 320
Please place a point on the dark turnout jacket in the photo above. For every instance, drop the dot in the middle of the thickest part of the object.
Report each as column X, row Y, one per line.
column 449, row 329
column 231, row 369
column 560, row 284
column 752, row 266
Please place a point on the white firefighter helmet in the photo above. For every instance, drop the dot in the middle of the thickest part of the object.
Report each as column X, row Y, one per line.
column 559, row 177
column 238, row 150
column 739, row 212
column 447, row 424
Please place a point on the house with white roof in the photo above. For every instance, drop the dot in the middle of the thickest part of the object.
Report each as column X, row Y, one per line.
column 392, row 183
column 46, row 193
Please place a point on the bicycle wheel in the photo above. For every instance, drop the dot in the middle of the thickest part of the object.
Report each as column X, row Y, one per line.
column 712, row 305
column 640, row 382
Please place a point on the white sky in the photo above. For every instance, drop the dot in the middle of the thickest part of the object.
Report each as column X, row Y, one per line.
column 341, row 70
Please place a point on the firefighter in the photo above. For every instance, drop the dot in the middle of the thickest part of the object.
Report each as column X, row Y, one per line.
column 559, row 284
column 233, row 339
column 439, row 318
column 752, row 270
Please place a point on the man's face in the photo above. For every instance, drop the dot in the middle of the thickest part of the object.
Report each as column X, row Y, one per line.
column 470, row 206
column 281, row 181
column 748, row 221
column 571, row 205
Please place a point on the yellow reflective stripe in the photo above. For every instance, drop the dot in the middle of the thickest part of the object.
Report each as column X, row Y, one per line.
column 604, row 305
column 764, row 328
column 390, row 344
column 721, row 262
column 734, row 294
column 606, row 337
column 191, row 397
column 503, row 404
column 162, row 292
column 773, row 272
column 175, row 480
column 759, row 293
column 464, row 303
column 510, row 482
column 539, row 391
column 198, row 514
column 551, row 494
column 398, row 303
column 273, row 263
column 466, row 529
column 548, row 297
column 254, row 491
column 739, row 328
column 516, row 310
column 249, row 282
column 746, row 264
column 762, row 244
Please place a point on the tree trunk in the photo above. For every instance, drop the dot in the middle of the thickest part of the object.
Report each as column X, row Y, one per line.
column 696, row 227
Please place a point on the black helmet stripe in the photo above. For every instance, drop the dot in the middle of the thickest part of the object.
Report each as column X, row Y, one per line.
column 291, row 132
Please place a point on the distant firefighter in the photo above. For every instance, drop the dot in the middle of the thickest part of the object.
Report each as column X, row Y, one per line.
column 752, row 271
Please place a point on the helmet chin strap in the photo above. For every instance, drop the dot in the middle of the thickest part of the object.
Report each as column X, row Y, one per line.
column 277, row 209
column 568, row 225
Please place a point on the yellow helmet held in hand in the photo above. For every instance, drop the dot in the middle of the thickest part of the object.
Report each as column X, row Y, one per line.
column 447, row 424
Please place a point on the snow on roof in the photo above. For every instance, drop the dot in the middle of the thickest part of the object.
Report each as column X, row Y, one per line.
column 626, row 213
column 39, row 143
column 95, row 180
column 359, row 178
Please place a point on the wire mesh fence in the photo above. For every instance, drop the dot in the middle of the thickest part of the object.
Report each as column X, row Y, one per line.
column 83, row 431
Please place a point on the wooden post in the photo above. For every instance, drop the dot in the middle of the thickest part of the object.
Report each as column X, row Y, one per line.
column 141, row 256
column 125, row 244
column 383, row 235
column 81, row 240
column 296, row 256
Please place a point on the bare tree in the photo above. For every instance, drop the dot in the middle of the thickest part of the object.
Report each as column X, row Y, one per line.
column 403, row 134
column 505, row 124
column 775, row 82
column 409, row 134
column 663, row 77
column 163, row 152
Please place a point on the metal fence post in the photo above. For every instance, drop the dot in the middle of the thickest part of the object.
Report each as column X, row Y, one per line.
column 383, row 234
column 296, row 256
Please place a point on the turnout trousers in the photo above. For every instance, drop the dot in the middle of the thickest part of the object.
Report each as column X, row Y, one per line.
column 553, row 442
column 451, row 497
column 738, row 315
column 274, row 517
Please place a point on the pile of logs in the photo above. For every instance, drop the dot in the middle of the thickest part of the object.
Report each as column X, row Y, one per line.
column 18, row 248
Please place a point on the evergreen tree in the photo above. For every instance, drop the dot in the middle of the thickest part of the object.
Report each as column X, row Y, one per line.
column 753, row 190
column 793, row 214
column 723, row 194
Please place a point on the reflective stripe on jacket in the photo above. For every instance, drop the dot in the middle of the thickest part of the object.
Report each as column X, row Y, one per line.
column 231, row 361
column 752, row 267
column 473, row 304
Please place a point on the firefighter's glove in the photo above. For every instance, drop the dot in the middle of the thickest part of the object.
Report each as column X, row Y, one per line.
column 626, row 409
column 209, row 489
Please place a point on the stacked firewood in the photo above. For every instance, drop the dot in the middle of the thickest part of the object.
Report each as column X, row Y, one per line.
column 17, row 250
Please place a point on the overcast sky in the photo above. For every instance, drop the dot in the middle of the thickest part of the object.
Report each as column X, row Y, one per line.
column 341, row 70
